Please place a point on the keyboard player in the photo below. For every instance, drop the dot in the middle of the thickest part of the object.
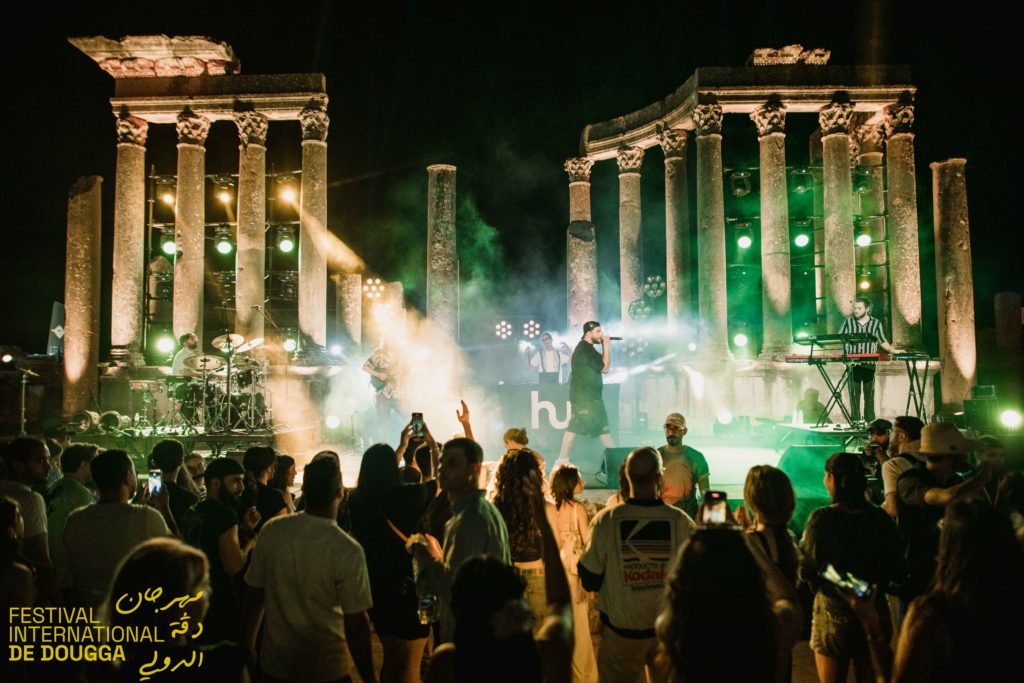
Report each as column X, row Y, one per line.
column 862, row 374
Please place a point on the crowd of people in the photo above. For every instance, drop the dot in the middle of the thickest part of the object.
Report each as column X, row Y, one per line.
column 461, row 580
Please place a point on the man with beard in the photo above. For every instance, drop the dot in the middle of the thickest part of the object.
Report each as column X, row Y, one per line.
column 189, row 347
column 585, row 386
column 862, row 375
column 226, row 540
column 686, row 472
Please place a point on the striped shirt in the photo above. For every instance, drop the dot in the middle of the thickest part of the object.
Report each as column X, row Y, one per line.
column 872, row 327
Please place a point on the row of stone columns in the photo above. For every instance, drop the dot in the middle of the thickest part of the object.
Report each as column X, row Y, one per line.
column 840, row 144
column 127, row 324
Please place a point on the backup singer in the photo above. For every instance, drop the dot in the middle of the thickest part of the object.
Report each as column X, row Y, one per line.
column 862, row 375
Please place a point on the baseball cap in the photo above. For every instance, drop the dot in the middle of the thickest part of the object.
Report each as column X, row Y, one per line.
column 589, row 325
column 880, row 426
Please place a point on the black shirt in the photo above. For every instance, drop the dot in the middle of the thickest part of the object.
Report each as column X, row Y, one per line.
column 181, row 499
column 919, row 525
column 269, row 502
column 225, row 606
column 586, row 382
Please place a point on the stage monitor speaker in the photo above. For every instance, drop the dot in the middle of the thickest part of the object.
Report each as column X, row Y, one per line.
column 978, row 414
column 805, row 467
column 611, row 462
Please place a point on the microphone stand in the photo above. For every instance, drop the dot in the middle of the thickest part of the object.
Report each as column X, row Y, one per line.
column 24, row 384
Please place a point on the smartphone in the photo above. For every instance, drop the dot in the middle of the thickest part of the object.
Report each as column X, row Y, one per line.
column 860, row 588
column 418, row 426
column 156, row 482
column 716, row 508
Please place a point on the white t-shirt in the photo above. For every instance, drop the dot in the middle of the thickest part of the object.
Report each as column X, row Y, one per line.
column 178, row 365
column 634, row 547
column 314, row 574
column 98, row 537
column 892, row 469
column 33, row 507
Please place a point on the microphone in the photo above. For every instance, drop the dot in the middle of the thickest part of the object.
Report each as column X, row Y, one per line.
column 614, row 338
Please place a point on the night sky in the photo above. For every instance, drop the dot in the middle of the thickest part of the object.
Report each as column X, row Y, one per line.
column 503, row 93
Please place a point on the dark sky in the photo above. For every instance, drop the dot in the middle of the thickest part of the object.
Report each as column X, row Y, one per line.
column 503, row 92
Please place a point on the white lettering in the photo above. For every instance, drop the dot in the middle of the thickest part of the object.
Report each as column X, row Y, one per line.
column 536, row 405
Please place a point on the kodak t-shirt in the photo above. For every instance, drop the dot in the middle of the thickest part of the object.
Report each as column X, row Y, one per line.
column 633, row 546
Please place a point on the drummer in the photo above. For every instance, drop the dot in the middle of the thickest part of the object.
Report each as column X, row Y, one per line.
column 189, row 347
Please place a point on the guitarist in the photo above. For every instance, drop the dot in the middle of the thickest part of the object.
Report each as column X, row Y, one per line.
column 383, row 368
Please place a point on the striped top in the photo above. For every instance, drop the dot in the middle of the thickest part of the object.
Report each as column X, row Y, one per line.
column 872, row 327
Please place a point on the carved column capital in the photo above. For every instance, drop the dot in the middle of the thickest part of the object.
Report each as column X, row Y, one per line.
column 131, row 130
column 314, row 122
column 870, row 137
column 252, row 128
column 835, row 118
column 578, row 169
column 192, row 128
column 630, row 159
column 707, row 119
column 673, row 142
column 769, row 118
column 899, row 118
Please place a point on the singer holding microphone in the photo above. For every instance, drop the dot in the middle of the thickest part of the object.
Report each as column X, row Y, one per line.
column 586, row 384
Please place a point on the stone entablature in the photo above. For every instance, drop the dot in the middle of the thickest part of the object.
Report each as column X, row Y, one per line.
column 790, row 54
column 160, row 56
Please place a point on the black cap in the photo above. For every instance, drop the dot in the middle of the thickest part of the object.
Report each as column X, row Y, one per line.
column 589, row 325
column 880, row 426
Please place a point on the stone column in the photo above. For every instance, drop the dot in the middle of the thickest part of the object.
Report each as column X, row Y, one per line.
column 128, row 285
column 712, row 303
column 82, row 296
column 776, row 300
column 869, row 161
column 957, row 350
column 904, row 253
column 442, row 256
column 630, row 159
column 837, row 192
column 251, row 241
column 817, row 224
column 313, row 226
column 581, row 246
column 348, row 289
column 190, row 224
column 677, row 226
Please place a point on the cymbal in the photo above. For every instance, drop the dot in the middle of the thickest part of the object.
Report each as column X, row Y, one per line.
column 205, row 362
column 228, row 342
column 250, row 345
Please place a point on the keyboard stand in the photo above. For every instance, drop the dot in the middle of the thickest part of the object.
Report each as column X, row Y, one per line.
column 836, row 389
column 918, row 384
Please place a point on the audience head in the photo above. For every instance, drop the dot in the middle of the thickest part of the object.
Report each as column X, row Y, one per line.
column 945, row 449
column 76, row 461
column 196, row 466
column 27, row 460
column 259, row 462
column 516, row 438
column 675, row 429
column 12, row 529
column 623, row 482
column 160, row 563
column 716, row 584
column 566, row 484
column 225, row 480
column 811, row 395
column 769, row 493
column 378, row 472
column 321, row 486
column 492, row 622
column 328, row 454
column 517, row 473
column 167, row 456
column 845, row 480
column 114, row 474
column 284, row 473
column 55, row 449
column 644, row 470
column 980, row 562
column 906, row 429
column 459, row 469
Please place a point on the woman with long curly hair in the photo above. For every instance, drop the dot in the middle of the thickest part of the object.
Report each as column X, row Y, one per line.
column 524, row 536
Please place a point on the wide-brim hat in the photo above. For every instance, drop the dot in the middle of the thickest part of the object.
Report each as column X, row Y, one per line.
column 943, row 438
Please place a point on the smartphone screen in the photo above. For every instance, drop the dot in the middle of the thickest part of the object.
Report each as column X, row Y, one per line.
column 716, row 508
column 156, row 482
column 860, row 588
column 417, row 425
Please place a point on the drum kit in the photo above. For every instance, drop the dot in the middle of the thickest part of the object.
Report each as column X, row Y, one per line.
column 224, row 393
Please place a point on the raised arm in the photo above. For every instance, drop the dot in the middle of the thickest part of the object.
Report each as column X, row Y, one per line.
column 463, row 418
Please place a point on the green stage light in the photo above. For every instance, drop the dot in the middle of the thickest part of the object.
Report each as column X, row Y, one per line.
column 165, row 344
column 724, row 416
column 290, row 345
column 865, row 285
column 740, row 340
column 286, row 238
column 1011, row 419
column 801, row 240
column 168, row 246
column 744, row 241
column 224, row 246
column 863, row 239
column 332, row 421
